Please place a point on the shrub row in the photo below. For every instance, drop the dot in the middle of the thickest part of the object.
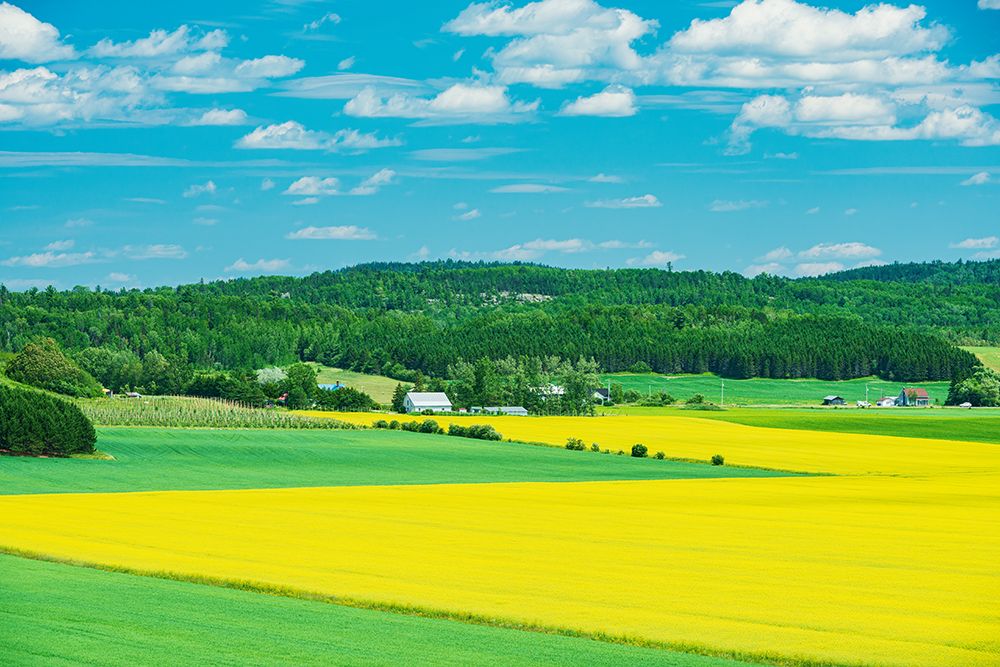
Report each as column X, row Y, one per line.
column 475, row 431
column 639, row 451
column 34, row 423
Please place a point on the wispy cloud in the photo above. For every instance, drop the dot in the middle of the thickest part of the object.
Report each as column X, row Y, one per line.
column 528, row 188
column 644, row 201
column 729, row 206
column 984, row 243
column 260, row 266
column 337, row 233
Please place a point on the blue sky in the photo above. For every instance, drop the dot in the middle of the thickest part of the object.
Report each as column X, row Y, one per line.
column 142, row 146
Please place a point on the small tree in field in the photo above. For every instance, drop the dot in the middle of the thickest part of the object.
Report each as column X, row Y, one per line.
column 640, row 451
column 718, row 460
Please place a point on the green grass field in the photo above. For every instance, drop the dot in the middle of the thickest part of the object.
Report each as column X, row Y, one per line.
column 765, row 391
column 378, row 387
column 990, row 356
column 60, row 614
column 177, row 460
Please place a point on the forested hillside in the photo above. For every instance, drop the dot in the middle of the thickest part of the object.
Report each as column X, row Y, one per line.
column 392, row 317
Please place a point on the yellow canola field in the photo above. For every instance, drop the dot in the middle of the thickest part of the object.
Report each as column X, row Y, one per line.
column 688, row 437
column 886, row 570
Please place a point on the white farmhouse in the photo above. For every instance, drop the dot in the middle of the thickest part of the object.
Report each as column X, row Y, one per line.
column 418, row 401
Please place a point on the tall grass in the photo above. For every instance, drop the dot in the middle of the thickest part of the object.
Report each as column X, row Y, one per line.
column 186, row 411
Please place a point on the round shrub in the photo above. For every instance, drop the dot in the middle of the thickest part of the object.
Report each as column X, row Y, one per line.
column 34, row 423
column 660, row 456
column 639, row 451
column 380, row 423
column 430, row 426
column 718, row 460
column 42, row 364
column 575, row 444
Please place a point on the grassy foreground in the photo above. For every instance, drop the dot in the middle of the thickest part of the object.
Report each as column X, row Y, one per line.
column 766, row 391
column 176, row 459
column 97, row 617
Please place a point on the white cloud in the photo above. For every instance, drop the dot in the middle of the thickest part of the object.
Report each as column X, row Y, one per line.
column 984, row 243
column 161, row 43
column 261, row 265
column 61, row 246
column 850, row 250
column 613, row 102
column 659, row 258
column 645, row 201
column 222, row 117
column 528, row 188
column 307, row 201
column 341, row 233
column 791, row 29
column 267, row 184
column 329, row 17
column 851, row 211
column 536, row 249
column 471, row 214
column 461, row 102
column 23, row 37
column 461, row 154
column 51, row 259
column 762, row 111
column 779, row 254
column 346, row 63
column 155, row 251
column 269, row 67
column 198, row 189
column 373, row 183
column 849, row 108
column 312, row 186
column 606, row 178
column 206, row 222
column 814, row 210
column 146, row 200
column 726, row 206
column 556, row 41
column 989, row 4
column 291, row 135
column 981, row 178
column 76, row 223
column 118, row 277
column 771, row 268
column 812, row 269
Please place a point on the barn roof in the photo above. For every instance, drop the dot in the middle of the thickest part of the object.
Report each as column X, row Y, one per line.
column 917, row 392
column 428, row 398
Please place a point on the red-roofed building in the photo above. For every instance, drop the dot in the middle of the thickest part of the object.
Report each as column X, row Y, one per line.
column 914, row 397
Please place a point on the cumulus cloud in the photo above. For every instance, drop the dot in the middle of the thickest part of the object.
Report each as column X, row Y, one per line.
column 461, row 102
column 374, row 183
column 989, row 4
column 606, row 178
column 60, row 246
column 313, row 186
column 812, row 269
column 337, row 233
column 981, row 178
column 613, row 102
column 269, row 67
column 984, row 243
column 850, row 250
column 260, row 266
column 645, row 201
column 292, row 135
column 770, row 268
column 24, row 37
column 538, row 248
column 222, row 117
column 162, row 43
column 52, row 259
column 658, row 258
column 779, row 254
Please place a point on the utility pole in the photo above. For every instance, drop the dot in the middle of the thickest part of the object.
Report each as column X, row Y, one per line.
column 722, row 399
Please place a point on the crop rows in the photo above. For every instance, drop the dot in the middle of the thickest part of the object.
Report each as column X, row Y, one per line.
column 180, row 412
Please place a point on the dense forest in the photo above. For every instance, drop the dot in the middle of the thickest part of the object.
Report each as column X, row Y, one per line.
column 899, row 321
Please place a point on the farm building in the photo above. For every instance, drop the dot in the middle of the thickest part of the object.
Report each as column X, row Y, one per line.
column 419, row 401
column 886, row 402
column 602, row 395
column 914, row 397
column 834, row 400
column 515, row 410
column 331, row 387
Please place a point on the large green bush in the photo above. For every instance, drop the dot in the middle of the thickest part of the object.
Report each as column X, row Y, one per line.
column 42, row 364
column 35, row 423
column 981, row 389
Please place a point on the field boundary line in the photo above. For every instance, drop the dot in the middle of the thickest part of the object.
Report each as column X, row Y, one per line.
column 435, row 613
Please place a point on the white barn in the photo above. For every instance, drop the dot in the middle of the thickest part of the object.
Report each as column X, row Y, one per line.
column 419, row 401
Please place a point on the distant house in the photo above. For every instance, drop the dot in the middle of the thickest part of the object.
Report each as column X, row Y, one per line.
column 331, row 387
column 886, row 402
column 914, row 397
column 603, row 395
column 863, row 404
column 514, row 410
column 834, row 400
column 545, row 391
column 419, row 401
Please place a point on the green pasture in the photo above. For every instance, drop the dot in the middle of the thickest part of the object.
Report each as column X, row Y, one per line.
column 378, row 387
column 767, row 391
column 147, row 459
column 59, row 614
column 990, row 356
